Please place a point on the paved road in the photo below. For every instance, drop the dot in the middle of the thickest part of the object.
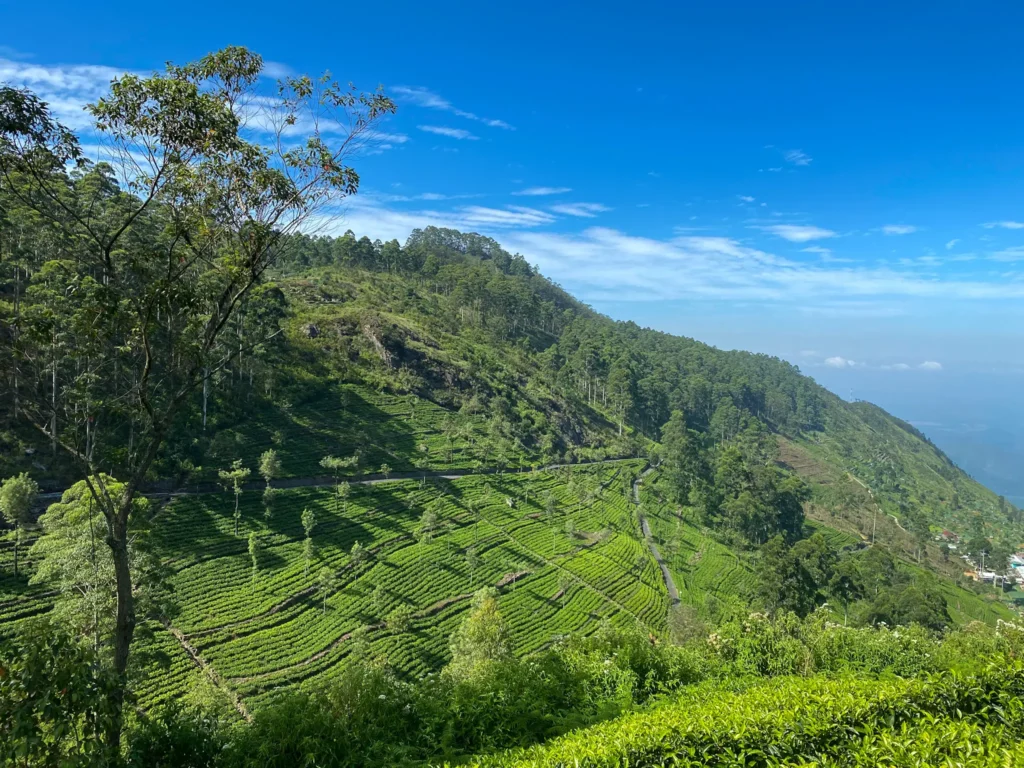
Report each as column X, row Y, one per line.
column 327, row 481
column 670, row 585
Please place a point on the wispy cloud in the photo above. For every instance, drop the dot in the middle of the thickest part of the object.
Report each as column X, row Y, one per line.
column 1016, row 253
column 839, row 362
column 67, row 88
column 424, row 97
column 746, row 198
column 583, row 210
column 797, row 233
column 452, row 133
column 540, row 191
column 930, row 365
column 425, row 196
column 952, row 244
column 1003, row 225
column 604, row 264
column 898, row 229
column 797, row 157
column 276, row 70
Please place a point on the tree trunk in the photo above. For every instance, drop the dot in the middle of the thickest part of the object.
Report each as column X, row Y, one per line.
column 124, row 628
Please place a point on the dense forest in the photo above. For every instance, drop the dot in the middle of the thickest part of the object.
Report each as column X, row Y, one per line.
column 274, row 498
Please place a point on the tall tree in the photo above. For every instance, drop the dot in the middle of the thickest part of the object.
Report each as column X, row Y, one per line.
column 234, row 479
column 164, row 244
column 270, row 468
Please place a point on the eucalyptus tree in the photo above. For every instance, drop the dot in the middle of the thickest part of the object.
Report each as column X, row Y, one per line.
column 327, row 582
column 17, row 495
column 358, row 555
column 234, row 479
column 256, row 555
column 472, row 563
column 308, row 520
column 270, row 468
column 159, row 248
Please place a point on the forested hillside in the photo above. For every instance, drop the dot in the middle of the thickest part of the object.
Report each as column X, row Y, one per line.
column 273, row 498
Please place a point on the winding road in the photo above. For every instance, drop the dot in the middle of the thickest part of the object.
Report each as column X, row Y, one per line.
column 670, row 585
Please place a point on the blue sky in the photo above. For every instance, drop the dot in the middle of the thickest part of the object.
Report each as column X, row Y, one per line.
column 836, row 184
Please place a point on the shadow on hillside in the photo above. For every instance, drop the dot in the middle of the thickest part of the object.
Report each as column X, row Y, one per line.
column 339, row 423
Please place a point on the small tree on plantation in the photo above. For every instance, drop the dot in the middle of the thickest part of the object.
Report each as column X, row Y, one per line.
column 308, row 553
column 327, row 583
column 482, row 639
column 385, row 469
column 308, row 524
column 400, row 619
column 379, row 600
column 256, row 554
column 270, row 465
column 233, row 479
column 358, row 554
column 344, row 491
column 17, row 495
column 337, row 466
column 472, row 563
column 564, row 582
column 270, row 468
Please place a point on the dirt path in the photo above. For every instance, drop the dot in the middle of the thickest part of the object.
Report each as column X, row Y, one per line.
column 871, row 493
column 670, row 585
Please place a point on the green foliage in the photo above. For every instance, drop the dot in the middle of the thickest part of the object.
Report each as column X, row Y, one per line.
column 786, row 722
column 482, row 639
column 17, row 495
column 56, row 700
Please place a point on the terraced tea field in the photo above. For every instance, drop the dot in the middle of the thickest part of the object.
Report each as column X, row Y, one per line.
column 560, row 545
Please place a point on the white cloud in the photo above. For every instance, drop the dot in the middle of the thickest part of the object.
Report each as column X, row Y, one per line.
column 67, row 88
column 539, row 191
column 930, row 365
column 424, row 97
column 797, row 233
column 1003, row 225
column 746, row 198
column 583, row 210
column 1016, row 253
column 276, row 70
column 898, row 229
column 895, row 367
column 952, row 244
column 839, row 362
column 453, row 133
column 600, row 263
column 796, row 157
column 816, row 249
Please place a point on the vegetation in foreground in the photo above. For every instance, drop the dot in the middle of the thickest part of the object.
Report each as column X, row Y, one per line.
column 837, row 696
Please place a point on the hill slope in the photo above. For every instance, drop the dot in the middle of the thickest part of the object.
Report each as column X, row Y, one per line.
column 449, row 355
